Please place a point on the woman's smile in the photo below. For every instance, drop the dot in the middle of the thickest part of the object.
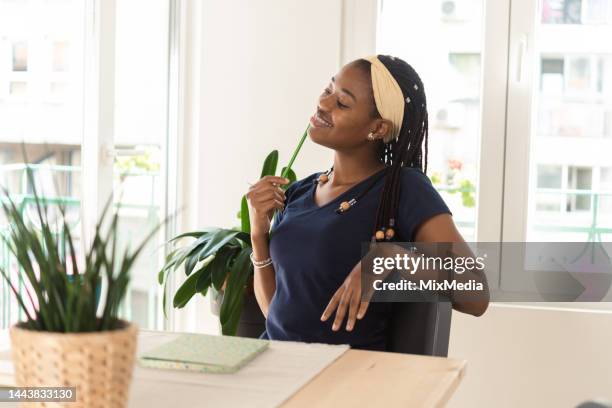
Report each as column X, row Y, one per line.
column 318, row 121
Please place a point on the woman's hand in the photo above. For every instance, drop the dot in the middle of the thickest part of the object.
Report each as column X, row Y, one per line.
column 348, row 296
column 263, row 198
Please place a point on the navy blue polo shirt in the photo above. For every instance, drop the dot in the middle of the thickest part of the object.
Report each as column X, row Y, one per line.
column 313, row 250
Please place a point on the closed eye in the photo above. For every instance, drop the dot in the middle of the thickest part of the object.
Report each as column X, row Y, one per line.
column 327, row 91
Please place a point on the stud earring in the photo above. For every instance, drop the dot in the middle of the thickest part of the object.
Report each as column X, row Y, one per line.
column 371, row 136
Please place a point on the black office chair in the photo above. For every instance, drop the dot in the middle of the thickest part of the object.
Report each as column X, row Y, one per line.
column 420, row 328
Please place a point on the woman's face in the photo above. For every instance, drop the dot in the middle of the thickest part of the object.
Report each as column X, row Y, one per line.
column 343, row 118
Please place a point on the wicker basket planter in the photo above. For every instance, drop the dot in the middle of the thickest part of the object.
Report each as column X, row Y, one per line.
column 98, row 364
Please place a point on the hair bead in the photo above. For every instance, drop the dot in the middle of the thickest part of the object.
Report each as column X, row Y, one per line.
column 389, row 233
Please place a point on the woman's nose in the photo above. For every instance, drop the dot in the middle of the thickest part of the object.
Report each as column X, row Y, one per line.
column 325, row 102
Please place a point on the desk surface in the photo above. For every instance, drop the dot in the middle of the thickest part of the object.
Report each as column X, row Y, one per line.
column 369, row 378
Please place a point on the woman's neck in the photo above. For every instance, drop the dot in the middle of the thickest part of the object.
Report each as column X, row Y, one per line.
column 353, row 168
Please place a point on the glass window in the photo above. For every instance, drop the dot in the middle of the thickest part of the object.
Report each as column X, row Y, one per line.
column 579, row 178
column 549, row 176
column 450, row 68
column 605, row 189
column 573, row 125
column 18, row 89
column 605, row 180
column 60, row 56
column 49, row 117
column 141, row 106
column 576, row 11
column 552, row 75
column 20, row 56
column 50, row 135
column 58, row 91
column 579, row 74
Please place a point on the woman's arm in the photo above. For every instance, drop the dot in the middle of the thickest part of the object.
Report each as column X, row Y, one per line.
column 265, row 278
column 441, row 228
column 347, row 300
column 263, row 198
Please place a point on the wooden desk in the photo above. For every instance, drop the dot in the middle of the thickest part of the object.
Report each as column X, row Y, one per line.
column 362, row 378
column 370, row 378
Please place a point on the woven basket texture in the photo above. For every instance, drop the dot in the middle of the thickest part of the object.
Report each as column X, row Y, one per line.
column 98, row 364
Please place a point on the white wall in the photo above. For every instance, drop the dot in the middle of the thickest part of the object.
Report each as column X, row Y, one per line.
column 264, row 64
column 529, row 357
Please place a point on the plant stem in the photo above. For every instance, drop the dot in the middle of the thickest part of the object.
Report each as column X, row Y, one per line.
column 295, row 153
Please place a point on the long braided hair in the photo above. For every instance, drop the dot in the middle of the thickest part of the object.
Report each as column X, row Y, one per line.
column 407, row 149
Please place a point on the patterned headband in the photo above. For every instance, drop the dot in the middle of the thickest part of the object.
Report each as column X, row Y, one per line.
column 388, row 97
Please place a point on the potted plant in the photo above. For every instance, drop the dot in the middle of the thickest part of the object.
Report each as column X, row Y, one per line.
column 218, row 259
column 64, row 340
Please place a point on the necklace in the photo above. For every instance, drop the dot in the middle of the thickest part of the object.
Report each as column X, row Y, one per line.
column 347, row 205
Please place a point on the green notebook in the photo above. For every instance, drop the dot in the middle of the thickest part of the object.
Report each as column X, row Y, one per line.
column 204, row 353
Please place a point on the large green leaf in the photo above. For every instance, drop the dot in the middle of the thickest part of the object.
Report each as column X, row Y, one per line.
column 230, row 327
column 219, row 239
column 187, row 290
column 204, row 281
column 190, row 263
column 194, row 234
column 269, row 166
column 234, row 292
column 219, row 266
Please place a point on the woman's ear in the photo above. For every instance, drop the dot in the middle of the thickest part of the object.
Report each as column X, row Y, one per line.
column 383, row 128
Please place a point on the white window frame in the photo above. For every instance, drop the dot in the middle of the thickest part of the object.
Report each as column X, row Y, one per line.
column 509, row 64
column 98, row 148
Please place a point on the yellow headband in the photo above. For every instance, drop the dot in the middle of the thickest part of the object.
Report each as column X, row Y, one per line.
column 388, row 97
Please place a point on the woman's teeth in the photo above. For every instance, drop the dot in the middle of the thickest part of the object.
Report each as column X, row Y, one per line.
column 321, row 121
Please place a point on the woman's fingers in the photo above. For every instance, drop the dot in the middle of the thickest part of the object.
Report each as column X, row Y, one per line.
column 258, row 198
column 363, row 308
column 269, row 182
column 353, row 309
column 275, row 179
column 270, row 205
column 341, row 310
column 333, row 303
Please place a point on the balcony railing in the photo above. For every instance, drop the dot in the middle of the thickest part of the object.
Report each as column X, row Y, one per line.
column 15, row 175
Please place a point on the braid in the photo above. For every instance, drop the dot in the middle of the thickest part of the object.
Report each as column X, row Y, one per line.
column 407, row 150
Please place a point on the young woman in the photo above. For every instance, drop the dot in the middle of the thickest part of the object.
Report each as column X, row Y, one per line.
column 373, row 114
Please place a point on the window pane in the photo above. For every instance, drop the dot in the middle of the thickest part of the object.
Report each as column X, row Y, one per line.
column 20, row 56
column 141, row 92
column 577, row 12
column 450, row 67
column 549, row 176
column 51, row 133
column 18, row 89
column 61, row 51
column 569, row 197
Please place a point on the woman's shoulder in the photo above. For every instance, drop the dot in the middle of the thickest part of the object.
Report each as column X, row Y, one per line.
column 418, row 190
column 419, row 201
column 414, row 174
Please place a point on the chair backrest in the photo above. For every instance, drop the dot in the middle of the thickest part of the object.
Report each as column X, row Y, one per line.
column 420, row 328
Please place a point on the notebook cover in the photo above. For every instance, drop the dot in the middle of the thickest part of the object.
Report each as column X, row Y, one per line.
column 204, row 353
